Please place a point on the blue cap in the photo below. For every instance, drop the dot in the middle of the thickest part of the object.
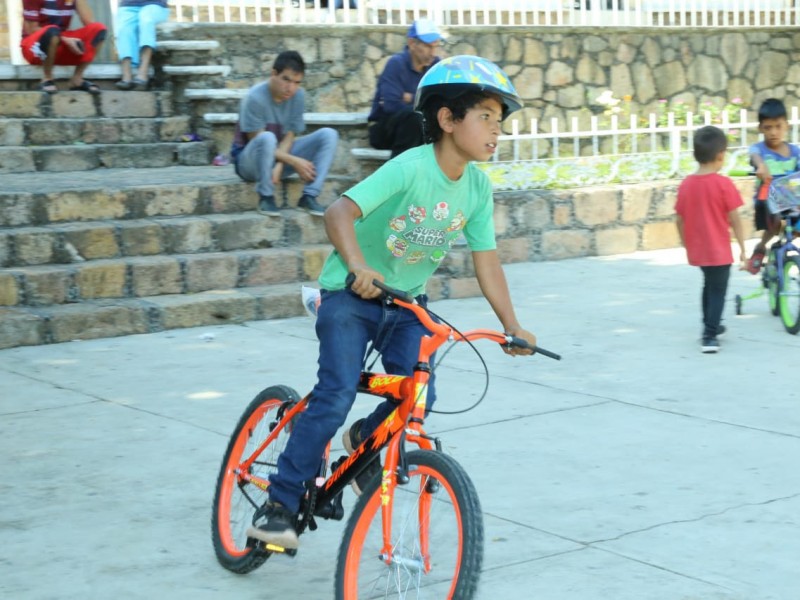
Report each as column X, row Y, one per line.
column 424, row 30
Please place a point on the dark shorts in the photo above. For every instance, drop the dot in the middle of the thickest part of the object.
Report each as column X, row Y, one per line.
column 764, row 220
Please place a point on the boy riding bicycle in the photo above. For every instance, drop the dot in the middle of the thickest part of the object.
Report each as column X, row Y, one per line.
column 396, row 226
column 772, row 157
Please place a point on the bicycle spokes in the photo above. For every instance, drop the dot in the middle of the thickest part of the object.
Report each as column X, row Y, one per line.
column 252, row 455
column 435, row 545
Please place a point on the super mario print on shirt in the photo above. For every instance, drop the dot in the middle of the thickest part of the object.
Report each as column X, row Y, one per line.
column 412, row 216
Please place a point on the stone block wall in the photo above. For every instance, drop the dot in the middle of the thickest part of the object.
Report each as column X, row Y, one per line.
column 559, row 72
column 5, row 39
column 550, row 225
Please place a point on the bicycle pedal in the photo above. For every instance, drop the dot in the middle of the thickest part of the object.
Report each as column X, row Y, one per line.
column 275, row 549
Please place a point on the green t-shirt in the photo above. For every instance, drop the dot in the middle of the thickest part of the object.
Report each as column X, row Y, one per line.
column 412, row 214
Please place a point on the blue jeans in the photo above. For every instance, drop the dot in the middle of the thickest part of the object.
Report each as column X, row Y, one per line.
column 256, row 160
column 346, row 324
column 136, row 28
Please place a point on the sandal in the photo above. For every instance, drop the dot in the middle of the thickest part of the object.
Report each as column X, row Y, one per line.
column 86, row 86
column 755, row 262
column 124, row 85
column 140, row 84
column 48, row 87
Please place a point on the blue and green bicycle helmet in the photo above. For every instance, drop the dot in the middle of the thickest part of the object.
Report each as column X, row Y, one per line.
column 453, row 76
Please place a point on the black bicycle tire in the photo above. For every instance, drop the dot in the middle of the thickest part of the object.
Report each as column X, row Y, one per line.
column 252, row 558
column 471, row 521
column 794, row 327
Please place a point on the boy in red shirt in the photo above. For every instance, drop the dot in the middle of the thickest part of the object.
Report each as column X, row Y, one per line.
column 46, row 41
column 707, row 208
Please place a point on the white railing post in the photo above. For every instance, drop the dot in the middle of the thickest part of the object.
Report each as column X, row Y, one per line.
column 496, row 13
column 554, row 133
column 576, row 140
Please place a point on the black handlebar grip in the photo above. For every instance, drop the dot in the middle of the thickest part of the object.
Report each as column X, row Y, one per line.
column 515, row 341
column 388, row 292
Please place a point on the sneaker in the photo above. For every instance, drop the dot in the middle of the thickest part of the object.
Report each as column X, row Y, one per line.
column 721, row 329
column 274, row 524
column 310, row 205
column 352, row 440
column 709, row 345
column 267, row 206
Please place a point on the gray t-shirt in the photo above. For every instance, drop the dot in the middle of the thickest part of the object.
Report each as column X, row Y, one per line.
column 259, row 111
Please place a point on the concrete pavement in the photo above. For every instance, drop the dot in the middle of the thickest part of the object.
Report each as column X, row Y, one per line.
column 636, row 468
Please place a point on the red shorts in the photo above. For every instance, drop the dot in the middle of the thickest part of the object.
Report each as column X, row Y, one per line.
column 35, row 55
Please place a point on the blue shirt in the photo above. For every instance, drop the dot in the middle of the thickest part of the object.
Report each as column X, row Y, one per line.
column 776, row 163
column 398, row 77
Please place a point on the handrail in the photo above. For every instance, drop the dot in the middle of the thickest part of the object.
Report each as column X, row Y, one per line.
column 450, row 13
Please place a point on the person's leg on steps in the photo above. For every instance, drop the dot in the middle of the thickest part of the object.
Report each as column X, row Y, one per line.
column 320, row 148
column 256, row 160
column 150, row 16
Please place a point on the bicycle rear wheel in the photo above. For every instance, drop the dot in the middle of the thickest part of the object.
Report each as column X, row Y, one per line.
column 236, row 500
column 440, row 503
column 771, row 282
column 789, row 299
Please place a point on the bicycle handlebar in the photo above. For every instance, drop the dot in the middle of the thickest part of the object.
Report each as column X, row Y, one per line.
column 405, row 299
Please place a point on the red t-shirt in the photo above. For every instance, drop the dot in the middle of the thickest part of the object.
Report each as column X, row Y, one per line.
column 49, row 12
column 704, row 202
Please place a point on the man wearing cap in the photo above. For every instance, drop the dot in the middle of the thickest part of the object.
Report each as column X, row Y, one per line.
column 393, row 123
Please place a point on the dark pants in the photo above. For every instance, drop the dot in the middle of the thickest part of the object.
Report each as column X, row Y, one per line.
column 398, row 132
column 346, row 324
column 715, row 285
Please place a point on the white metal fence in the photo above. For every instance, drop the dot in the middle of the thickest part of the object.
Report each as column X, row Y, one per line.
column 661, row 148
column 581, row 13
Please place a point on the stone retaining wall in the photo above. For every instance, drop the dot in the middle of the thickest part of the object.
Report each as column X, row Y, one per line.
column 558, row 71
column 550, row 225
column 5, row 39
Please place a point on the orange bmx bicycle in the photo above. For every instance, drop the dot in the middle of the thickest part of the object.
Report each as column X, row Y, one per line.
column 415, row 532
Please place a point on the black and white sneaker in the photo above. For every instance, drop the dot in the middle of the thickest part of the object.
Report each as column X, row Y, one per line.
column 721, row 330
column 274, row 524
column 352, row 440
column 309, row 204
column 709, row 345
column 267, row 206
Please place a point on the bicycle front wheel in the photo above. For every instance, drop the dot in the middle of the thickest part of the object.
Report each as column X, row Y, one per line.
column 236, row 499
column 771, row 282
column 789, row 299
column 436, row 540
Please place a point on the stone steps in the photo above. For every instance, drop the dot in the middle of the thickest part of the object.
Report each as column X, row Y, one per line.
column 77, row 105
column 139, row 276
column 108, row 318
column 119, row 251
column 125, row 194
column 97, row 130
column 92, row 240
column 84, row 157
column 157, row 238
column 111, row 226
